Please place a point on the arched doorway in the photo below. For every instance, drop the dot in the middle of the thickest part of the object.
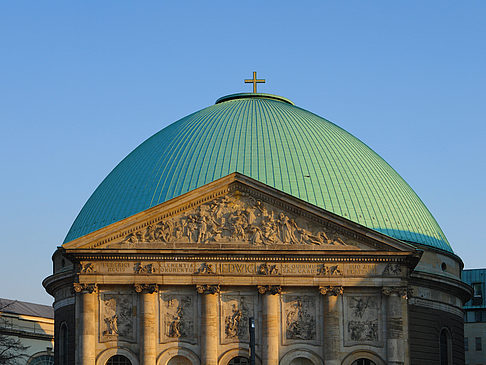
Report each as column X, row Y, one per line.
column 239, row 360
column 118, row 360
column 301, row 361
column 179, row 360
column 363, row 362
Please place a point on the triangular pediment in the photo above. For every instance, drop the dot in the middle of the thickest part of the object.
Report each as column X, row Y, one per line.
column 237, row 212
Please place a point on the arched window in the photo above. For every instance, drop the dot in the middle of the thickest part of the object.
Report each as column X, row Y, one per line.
column 363, row 362
column 445, row 347
column 41, row 360
column 118, row 360
column 179, row 360
column 301, row 361
column 239, row 360
column 63, row 344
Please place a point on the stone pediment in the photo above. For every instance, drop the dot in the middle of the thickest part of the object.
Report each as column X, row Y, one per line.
column 237, row 218
column 231, row 213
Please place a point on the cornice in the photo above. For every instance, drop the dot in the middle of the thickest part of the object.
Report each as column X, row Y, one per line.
column 243, row 255
column 442, row 283
column 58, row 280
column 237, row 184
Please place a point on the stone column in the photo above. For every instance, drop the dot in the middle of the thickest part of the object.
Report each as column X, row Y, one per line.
column 87, row 294
column 332, row 328
column 396, row 342
column 209, row 323
column 270, row 323
column 148, row 327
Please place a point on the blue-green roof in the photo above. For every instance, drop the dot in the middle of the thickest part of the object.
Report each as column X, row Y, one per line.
column 270, row 140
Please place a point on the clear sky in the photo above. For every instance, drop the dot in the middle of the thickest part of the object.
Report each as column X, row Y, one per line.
column 82, row 83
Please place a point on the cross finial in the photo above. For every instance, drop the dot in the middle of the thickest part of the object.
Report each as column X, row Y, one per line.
column 255, row 81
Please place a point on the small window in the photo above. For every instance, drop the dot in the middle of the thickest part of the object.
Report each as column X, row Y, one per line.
column 479, row 345
column 118, row 360
column 445, row 348
column 477, row 316
column 466, row 344
column 42, row 360
column 477, row 298
column 63, row 343
column 363, row 362
column 239, row 360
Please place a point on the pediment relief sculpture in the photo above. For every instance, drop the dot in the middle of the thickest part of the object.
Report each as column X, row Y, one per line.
column 237, row 218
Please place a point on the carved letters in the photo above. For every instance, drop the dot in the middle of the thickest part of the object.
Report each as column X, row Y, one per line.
column 231, row 219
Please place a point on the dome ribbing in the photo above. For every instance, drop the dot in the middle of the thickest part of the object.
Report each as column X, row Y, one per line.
column 270, row 140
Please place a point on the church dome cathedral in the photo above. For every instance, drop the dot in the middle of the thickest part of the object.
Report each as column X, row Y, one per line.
column 256, row 224
column 269, row 139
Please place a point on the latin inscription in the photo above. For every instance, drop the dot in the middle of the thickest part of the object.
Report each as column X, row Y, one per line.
column 177, row 268
column 116, row 267
column 247, row 268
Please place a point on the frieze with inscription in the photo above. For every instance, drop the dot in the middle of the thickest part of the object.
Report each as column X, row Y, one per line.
column 241, row 219
column 331, row 270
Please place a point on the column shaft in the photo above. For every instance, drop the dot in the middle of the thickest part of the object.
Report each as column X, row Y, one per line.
column 148, row 328
column 332, row 329
column 395, row 338
column 87, row 338
column 209, row 334
column 271, row 326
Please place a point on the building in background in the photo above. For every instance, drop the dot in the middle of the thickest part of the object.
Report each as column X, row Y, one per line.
column 33, row 325
column 475, row 317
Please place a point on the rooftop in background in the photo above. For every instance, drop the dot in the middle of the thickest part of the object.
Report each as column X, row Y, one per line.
column 477, row 279
column 26, row 308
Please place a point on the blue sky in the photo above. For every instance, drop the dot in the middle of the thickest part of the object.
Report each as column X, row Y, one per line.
column 83, row 83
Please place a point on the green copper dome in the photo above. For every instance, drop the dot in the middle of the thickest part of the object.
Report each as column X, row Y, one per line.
column 270, row 140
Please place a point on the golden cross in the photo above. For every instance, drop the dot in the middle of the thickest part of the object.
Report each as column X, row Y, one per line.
column 255, row 81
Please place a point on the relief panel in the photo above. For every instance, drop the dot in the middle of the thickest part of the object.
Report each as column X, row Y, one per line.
column 117, row 317
column 236, row 310
column 177, row 317
column 238, row 218
column 300, row 318
column 363, row 319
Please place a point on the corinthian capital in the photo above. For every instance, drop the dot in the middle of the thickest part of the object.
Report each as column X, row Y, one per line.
column 146, row 288
column 207, row 289
column 269, row 289
column 400, row 291
column 331, row 290
column 85, row 288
